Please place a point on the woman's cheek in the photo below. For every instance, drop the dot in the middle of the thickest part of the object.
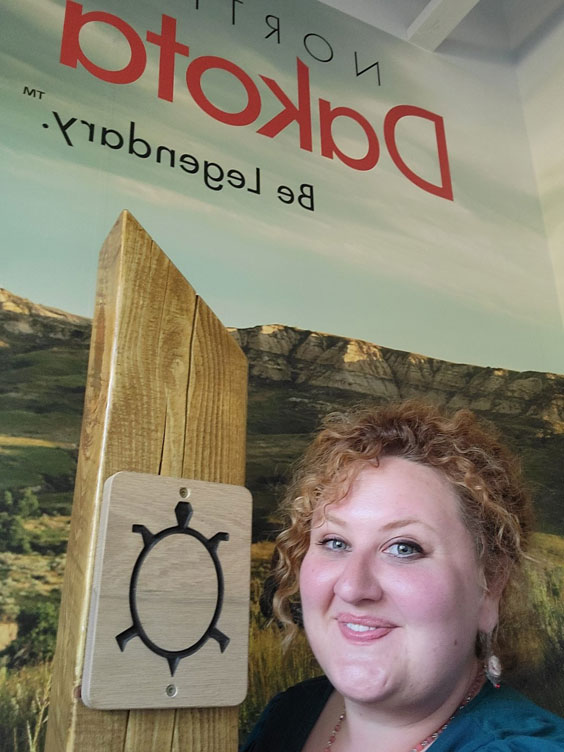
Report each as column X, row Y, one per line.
column 316, row 579
column 429, row 595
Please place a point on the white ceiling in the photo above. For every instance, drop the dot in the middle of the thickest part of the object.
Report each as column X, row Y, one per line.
column 511, row 26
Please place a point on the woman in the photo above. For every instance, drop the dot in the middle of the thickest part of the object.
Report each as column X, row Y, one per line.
column 406, row 532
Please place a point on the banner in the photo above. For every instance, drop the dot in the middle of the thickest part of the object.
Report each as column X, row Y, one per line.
column 307, row 173
column 297, row 165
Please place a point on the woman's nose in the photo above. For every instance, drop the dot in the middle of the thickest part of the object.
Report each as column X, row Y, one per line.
column 358, row 580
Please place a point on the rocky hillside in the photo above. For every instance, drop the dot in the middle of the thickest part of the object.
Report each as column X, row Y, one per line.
column 293, row 357
column 296, row 377
column 43, row 360
column 25, row 325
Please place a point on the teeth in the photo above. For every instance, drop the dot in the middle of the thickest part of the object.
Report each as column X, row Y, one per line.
column 359, row 627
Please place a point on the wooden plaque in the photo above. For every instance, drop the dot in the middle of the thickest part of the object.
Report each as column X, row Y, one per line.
column 168, row 623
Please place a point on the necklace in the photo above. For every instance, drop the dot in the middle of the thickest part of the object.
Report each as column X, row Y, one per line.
column 472, row 692
column 335, row 732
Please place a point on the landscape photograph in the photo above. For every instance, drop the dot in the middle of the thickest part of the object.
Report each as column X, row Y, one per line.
column 296, row 377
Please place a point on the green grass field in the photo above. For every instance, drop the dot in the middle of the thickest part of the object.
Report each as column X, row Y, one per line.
column 23, row 466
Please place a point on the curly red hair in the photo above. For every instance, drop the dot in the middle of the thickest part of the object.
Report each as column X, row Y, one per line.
column 494, row 501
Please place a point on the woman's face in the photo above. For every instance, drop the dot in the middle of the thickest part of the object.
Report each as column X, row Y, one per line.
column 390, row 589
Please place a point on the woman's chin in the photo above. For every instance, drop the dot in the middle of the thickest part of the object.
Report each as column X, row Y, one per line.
column 358, row 684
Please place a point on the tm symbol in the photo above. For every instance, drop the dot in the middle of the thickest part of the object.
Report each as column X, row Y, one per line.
column 35, row 93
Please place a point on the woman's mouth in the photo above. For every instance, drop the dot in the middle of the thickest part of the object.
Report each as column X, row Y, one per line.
column 363, row 628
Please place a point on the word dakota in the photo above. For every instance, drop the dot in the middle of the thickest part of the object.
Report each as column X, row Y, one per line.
column 214, row 176
column 297, row 109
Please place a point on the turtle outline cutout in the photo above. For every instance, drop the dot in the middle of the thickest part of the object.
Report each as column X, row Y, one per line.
column 183, row 512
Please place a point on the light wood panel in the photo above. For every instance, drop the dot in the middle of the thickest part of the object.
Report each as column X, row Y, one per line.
column 166, row 393
column 160, row 520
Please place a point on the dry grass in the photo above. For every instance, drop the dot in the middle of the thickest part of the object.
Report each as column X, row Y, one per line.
column 24, row 700
column 26, row 441
column 24, row 573
column 270, row 669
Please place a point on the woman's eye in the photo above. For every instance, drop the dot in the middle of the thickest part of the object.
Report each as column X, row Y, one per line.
column 334, row 544
column 404, row 549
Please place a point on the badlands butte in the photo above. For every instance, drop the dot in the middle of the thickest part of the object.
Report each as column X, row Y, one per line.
column 295, row 378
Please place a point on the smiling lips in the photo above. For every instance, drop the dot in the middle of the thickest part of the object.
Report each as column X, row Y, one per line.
column 363, row 628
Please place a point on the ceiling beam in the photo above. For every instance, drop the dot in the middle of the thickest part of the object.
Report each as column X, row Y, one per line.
column 436, row 21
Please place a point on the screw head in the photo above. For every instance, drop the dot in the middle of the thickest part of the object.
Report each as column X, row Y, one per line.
column 171, row 690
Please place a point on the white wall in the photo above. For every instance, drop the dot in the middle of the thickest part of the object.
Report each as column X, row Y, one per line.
column 540, row 68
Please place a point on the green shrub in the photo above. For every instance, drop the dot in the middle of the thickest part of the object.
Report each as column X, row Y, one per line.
column 13, row 536
column 37, row 631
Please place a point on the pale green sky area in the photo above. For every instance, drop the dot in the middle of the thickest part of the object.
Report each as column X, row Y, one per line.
column 378, row 259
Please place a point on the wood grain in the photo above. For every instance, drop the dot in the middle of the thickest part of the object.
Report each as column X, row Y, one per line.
column 151, row 390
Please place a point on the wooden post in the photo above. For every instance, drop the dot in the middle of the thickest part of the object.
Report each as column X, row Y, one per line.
column 166, row 394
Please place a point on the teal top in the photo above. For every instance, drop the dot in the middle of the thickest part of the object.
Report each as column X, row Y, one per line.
column 502, row 720
column 497, row 720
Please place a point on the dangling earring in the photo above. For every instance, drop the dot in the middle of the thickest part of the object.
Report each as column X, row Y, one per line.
column 492, row 664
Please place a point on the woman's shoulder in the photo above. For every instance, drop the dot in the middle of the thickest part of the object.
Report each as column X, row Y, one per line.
column 503, row 720
column 310, row 689
column 288, row 718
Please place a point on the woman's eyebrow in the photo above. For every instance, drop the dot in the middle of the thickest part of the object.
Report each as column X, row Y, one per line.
column 404, row 523
column 330, row 517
